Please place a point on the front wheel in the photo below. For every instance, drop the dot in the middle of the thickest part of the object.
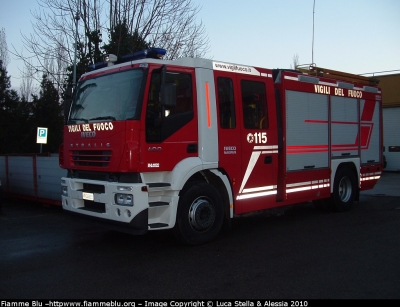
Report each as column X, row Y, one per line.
column 200, row 214
column 344, row 190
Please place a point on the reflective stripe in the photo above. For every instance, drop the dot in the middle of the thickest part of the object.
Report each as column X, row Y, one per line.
column 250, row 167
column 307, row 185
column 270, row 187
column 371, row 176
column 257, row 191
column 244, row 196
column 208, row 106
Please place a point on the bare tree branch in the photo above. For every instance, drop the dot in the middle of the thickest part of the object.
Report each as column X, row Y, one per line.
column 295, row 61
column 169, row 24
column 26, row 87
column 4, row 56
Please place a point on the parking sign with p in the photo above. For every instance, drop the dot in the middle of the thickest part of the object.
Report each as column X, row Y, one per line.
column 41, row 135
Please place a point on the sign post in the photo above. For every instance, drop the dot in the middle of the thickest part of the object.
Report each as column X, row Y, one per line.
column 41, row 137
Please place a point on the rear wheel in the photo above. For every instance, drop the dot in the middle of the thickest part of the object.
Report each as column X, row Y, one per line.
column 200, row 214
column 344, row 190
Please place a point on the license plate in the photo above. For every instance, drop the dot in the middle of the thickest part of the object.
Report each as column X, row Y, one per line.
column 87, row 196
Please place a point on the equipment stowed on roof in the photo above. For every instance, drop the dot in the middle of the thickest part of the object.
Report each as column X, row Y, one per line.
column 337, row 75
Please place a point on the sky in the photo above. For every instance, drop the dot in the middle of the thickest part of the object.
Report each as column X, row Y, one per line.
column 355, row 36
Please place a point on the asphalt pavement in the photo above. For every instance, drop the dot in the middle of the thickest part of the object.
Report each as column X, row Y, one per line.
column 304, row 253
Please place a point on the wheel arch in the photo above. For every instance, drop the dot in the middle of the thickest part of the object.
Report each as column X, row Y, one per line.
column 220, row 181
column 352, row 165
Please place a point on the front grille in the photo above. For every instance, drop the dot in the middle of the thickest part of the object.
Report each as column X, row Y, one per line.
column 94, row 188
column 94, row 206
column 97, row 158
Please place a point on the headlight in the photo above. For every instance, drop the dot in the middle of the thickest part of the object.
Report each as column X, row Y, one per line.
column 124, row 199
column 64, row 191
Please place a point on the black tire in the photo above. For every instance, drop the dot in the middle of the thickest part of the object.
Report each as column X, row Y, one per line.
column 344, row 190
column 200, row 214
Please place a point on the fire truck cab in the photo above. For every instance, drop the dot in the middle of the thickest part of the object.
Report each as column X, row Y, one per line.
column 187, row 144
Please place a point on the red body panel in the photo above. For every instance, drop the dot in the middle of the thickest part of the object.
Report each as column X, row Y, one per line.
column 258, row 185
column 100, row 146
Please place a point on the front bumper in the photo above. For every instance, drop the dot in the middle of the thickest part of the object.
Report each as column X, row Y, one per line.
column 96, row 200
column 137, row 226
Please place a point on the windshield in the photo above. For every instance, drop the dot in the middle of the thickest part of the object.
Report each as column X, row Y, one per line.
column 108, row 97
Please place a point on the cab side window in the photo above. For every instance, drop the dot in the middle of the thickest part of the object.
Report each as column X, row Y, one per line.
column 162, row 122
column 226, row 103
column 254, row 103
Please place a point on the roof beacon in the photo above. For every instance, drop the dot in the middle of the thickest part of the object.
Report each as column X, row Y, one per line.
column 110, row 59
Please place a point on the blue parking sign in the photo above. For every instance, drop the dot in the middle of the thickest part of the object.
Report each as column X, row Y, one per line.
column 41, row 137
column 42, row 132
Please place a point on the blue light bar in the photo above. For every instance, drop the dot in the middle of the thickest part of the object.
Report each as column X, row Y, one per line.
column 97, row 66
column 154, row 53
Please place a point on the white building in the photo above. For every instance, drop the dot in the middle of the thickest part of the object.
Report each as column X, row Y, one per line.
column 390, row 85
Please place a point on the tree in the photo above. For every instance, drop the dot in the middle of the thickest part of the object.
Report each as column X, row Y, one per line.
column 295, row 61
column 19, row 118
column 121, row 41
column 14, row 116
column 26, row 87
column 4, row 57
column 47, row 112
column 169, row 24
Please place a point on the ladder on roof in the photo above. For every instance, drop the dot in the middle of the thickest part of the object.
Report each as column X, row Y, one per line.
column 337, row 75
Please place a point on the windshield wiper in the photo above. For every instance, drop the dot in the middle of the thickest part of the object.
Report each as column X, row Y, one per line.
column 103, row 117
column 82, row 119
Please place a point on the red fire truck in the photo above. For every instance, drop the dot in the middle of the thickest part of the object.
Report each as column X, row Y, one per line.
column 188, row 144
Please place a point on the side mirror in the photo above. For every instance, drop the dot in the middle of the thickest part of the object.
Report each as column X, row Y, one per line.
column 69, row 91
column 68, row 101
column 168, row 95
